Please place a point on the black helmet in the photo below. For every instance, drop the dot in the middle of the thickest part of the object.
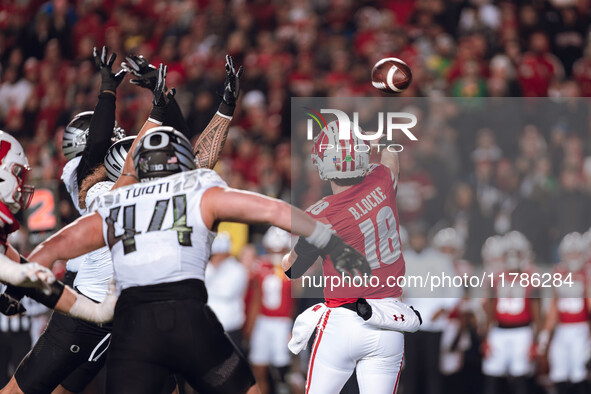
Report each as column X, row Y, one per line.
column 115, row 157
column 76, row 134
column 161, row 152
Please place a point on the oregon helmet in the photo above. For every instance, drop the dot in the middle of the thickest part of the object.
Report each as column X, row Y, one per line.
column 76, row 134
column 115, row 157
column 161, row 152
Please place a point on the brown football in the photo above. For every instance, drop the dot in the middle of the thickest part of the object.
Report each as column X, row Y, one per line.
column 391, row 75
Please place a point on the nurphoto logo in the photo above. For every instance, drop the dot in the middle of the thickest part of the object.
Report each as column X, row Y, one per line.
column 394, row 122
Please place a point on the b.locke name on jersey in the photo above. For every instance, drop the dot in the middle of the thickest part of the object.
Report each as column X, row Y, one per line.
column 368, row 203
column 365, row 216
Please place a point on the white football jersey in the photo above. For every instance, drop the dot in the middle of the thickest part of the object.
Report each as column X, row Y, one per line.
column 96, row 270
column 155, row 230
column 70, row 179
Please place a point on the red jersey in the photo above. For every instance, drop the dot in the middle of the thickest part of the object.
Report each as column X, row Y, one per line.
column 513, row 306
column 8, row 224
column 572, row 299
column 582, row 74
column 275, row 289
column 536, row 71
column 365, row 217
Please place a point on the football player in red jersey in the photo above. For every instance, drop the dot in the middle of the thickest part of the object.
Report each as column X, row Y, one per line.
column 513, row 314
column 568, row 318
column 455, row 338
column 273, row 324
column 358, row 328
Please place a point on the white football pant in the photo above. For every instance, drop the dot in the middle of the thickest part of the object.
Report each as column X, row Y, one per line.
column 346, row 342
column 268, row 345
column 568, row 352
column 509, row 352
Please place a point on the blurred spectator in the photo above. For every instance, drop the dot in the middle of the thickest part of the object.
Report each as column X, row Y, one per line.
column 570, row 207
column 464, row 215
column 422, row 349
column 538, row 67
column 227, row 301
column 273, row 306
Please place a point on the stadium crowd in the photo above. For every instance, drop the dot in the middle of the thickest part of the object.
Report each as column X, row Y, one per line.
column 482, row 182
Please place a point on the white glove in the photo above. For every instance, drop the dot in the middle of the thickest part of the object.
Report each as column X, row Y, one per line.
column 25, row 275
column 89, row 310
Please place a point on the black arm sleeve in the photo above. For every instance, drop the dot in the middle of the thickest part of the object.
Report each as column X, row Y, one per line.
column 99, row 136
column 174, row 118
column 307, row 255
column 49, row 299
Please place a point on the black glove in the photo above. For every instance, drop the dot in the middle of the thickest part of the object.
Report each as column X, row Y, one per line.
column 231, row 87
column 109, row 81
column 161, row 98
column 418, row 314
column 345, row 258
column 10, row 306
column 147, row 74
column 363, row 309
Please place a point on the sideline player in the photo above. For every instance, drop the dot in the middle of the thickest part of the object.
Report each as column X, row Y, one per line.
column 512, row 317
column 455, row 338
column 568, row 319
column 362, row 210
column 274, row 305
column 160, row 233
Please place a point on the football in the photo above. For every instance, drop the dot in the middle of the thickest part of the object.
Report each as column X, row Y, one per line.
column 391, row 75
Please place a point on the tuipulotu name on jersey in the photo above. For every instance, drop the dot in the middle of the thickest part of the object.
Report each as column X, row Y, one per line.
column 155, row 230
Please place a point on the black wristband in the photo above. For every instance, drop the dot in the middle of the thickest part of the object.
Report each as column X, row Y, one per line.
column 307, row 255
column 158, row 113
column 50, row 300
column 15, row 292
column 305, row 248
column 226, row 109
column 288, row 273
column 110, row 95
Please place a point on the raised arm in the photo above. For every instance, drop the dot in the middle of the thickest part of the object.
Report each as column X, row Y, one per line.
column 103, row 119
column 156, row 118
column 102, row 122
column 390, row 160
column 211, row 142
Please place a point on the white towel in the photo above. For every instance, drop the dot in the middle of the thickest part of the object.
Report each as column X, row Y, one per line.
column 392, row 314
column 304, row 327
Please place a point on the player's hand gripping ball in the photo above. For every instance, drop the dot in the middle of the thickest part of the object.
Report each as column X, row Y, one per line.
column 391, row 75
